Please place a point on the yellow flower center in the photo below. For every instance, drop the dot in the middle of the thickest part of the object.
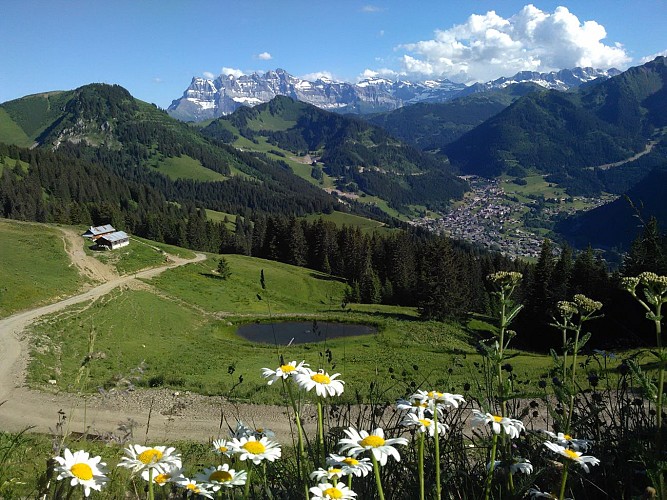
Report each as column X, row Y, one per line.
column 335, row 470
column 150, row 456
column 425, row 422
column 418, row 404
column 223, row 449
column 321, row 378
column 254, row 447
column 192, row 487
column 333, row 493
column 572, row 455
column 435, row 394
column 497, row 418
column 221, row 476
column 350, row 461
column 287, row 368
column 372, row 441
column 162, row 478
column 567, row 437
column 82, row 471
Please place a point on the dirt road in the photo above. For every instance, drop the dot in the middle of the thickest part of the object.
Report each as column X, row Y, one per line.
column 158, row 414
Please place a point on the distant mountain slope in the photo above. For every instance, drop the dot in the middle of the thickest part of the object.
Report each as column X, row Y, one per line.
column 358, row 155
column 556, row 132
column 205, row 99
column 616, row 225
column 431, row 126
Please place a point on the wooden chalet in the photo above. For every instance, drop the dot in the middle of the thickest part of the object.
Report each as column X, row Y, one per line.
column 107, row 237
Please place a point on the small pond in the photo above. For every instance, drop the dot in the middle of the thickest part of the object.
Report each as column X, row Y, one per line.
column 300, row 332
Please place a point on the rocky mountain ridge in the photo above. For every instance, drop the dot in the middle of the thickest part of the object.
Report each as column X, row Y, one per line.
column 206, row 99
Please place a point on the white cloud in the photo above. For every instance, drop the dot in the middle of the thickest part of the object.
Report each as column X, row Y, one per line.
column 157, row 79
column 646, row 59
column 371, row 9
column 208, row 75
column 488, row 46
column 264, row 56
column 311, row 77
column 232, row 71
column 378, row 73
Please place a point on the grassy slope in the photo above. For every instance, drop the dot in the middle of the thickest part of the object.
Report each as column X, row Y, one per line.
column 185, row 332
column 10, row 132
column 185, row 167
column 34, row 267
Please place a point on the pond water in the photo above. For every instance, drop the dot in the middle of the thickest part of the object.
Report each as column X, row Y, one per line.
column 300, row 332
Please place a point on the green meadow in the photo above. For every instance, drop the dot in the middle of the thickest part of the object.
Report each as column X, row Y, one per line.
column 183, row 327
column 34, row 268
column 185, row 167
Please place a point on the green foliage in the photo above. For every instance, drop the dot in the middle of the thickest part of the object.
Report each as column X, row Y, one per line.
column 224, row 271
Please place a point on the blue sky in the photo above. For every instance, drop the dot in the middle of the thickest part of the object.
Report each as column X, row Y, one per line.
column 154, row 47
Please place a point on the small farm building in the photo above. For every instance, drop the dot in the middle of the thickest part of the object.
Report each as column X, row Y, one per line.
column 113, row 240
column 96, row 232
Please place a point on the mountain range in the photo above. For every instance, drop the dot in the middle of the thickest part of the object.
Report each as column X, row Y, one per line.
column 205, row 98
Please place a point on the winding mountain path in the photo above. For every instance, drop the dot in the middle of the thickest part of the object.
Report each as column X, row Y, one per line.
column 157, row 414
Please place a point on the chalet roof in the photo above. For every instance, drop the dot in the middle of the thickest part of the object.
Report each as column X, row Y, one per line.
column 97, row 230
column 115, row 236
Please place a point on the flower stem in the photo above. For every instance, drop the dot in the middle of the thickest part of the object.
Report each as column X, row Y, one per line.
column 246, row 490
column 150, row 484
column 492, row 466
column 563, row 482
column 378, row 482
column 420, row 465
column 320, row 430
column 438, row 486
column 301, row 457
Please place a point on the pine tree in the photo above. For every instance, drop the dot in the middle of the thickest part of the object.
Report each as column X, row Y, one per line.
column 224, row 271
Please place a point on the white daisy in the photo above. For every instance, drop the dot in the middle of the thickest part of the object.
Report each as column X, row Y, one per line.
column 221, row 447
column 359, row 467
column 215, row 478
column 249, row 448
column 83, row 470
column 163, row 475
column 242, row 430
column 442, row 398
column 323, row 383
column 194, row 488
column 511, row 426
column 413, row 404
column 283, row 371
column 518, row 465
column 423, row 424
column 535, row 493
column 568, row 441
column 359, row 441
column 575, row 456
column 327, row 491
column 144, row 457
column 332, row 472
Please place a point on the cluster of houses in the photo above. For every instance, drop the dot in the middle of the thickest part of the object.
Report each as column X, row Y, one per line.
column 106, row 237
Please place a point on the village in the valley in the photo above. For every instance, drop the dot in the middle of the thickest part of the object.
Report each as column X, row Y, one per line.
column 493, row 216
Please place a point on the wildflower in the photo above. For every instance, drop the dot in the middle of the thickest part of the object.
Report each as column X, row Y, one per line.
column 331, row 472
column 568, row 441
column 327, row 491
column 358, row 467
column 423, row 424
column 505, row 278
column 215, row 478
column 413, row 404
column 144, row 457
column 535, row 493
column 586, row 305
column 567, row 309
column 242, row 430
column 193, row 488
column 83, row 470
column 440, row 398
column 359, row 441
column 510, row 426
column 250, row 448
column 324, row 384
column 522, row 465
column 221, row 447
column 164, row 475
column 575, row 456
column 283, row 371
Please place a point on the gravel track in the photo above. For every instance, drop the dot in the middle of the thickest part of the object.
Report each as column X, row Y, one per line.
column 158, row 414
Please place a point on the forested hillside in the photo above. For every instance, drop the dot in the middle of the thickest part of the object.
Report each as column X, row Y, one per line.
column 360, row 157
column 564, row 133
